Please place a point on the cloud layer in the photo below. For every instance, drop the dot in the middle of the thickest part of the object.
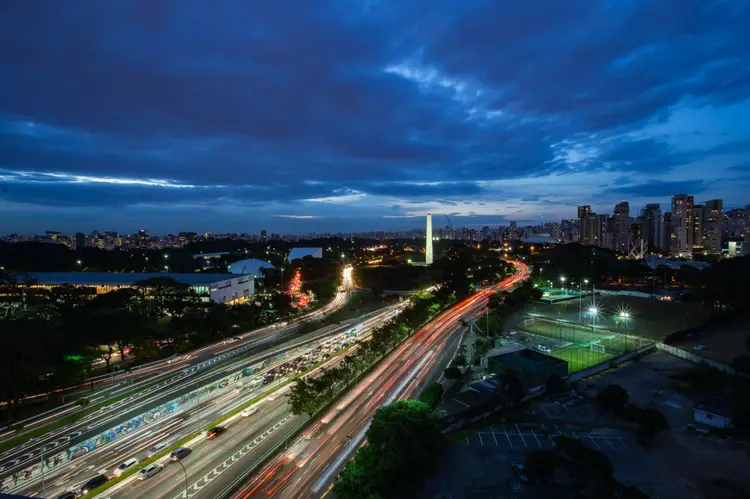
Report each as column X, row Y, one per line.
column 339, row 115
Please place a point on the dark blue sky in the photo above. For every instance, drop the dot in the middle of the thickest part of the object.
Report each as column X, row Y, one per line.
column 301, row 116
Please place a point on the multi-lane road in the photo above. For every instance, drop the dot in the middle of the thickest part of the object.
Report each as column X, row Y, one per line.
column 153, row 386
column 310, row 465
column 272, row 421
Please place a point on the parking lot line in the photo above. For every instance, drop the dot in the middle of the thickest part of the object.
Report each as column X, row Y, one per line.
column 510, row 444
column 537, row 440
column 592, row 439
column 467, row 440
column 610, row 444
column 522, row 439
column 571, row 431
column 493, row 435
column 623, row 443
column 552, row 440
column 481, row 442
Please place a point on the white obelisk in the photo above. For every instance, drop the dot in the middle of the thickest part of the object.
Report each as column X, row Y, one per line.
column 428, row 241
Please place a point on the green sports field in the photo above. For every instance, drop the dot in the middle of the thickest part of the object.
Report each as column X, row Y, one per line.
column 579, row 358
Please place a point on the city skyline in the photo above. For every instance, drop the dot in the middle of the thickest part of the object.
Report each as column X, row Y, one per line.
column 361, row 116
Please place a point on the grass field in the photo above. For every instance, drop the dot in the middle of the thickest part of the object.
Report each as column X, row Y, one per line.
column 579, row 358
column 614, row 343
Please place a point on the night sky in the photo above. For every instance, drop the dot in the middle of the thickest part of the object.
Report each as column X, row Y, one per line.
column 345, row 115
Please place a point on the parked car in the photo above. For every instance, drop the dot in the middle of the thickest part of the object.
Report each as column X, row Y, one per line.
column 216, row 431
column 67, row 495
column 93, row 483
column 249, row 412
column 149, row 471
column 124, row 466
column 522, row 472
column 157, row 448
column 180, row 453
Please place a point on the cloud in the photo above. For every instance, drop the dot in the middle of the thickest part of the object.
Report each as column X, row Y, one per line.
column 344, row 111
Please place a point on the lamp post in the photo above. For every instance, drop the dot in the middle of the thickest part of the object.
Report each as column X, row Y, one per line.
column 186, row 478
column 166, row 262
column 580, row 301
column 562, row 284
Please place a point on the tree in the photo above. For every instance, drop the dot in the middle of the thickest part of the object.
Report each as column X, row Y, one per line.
column 651, row 422
column 431, row 395
column 303, row 397
column 612, row 398
column 403, row 444
column 542, row 463
column 452, row 373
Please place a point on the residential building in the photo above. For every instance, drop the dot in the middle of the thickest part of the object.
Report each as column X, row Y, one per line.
column 747, row 223
column 734, row 224
column 651, row 226
column 80, row 240
column 711, row 224
column 584, row 234
column 666, row 233
column 621, row 227
column 601, row 231
column 681, row 236
column 697, row 227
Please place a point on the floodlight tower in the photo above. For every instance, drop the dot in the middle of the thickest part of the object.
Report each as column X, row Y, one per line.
column 428, row 241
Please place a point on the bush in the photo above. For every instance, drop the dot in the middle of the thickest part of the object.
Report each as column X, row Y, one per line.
column 432, row 395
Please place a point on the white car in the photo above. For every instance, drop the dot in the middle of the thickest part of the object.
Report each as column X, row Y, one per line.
column 126, row 465
column 157, row 447
column 249, row 412
column 149, row 471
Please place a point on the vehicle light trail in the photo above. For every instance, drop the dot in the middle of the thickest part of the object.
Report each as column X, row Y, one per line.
column 323, row 449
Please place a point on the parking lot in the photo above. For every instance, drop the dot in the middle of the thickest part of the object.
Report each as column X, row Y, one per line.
column 534, row 436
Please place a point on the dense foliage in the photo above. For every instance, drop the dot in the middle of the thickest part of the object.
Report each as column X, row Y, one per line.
column 51, row 336
column 403, row 445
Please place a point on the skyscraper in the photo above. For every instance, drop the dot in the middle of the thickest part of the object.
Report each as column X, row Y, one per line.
column 666, row 234
column 80, row 240
column 428, row 241
column 601, row 231
column 697, row 226
column 711, row 228
column 681, row 237
column 622, row 227
column 585, row 236
column 651, row 227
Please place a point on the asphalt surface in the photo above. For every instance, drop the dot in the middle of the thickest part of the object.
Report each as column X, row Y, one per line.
column 309, row 467
column 176, row 426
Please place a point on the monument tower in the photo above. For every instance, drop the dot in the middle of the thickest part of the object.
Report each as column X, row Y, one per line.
column 428, row 241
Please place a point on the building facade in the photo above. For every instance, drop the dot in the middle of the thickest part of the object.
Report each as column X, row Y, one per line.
column 681, row 235
column 711, row 225
column 621, row 227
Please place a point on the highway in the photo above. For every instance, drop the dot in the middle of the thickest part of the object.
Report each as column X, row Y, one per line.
column 311, row 464
column 175, row 426
column 145, row 375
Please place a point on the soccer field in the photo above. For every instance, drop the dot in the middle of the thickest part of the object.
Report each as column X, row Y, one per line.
column 613, row 343
column 579, row 358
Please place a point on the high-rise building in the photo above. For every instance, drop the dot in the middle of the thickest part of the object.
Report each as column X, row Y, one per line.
column 601, row 231
column 622, row 227
column 665, row 234
column 681, row 237
column 734, row 224
column 651, row 226
column 711, row 227
column 747, row 223
column 584, row 234
column 263, row 235
column 697, row 227
column 428, row 241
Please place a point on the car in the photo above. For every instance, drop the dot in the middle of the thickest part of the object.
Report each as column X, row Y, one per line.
column 149, row 471
column 93, row 483
column 216, row 431
column 522, row 472
column 249, row 412
column 179, row 453
column 515, row 487
column 124, row 466
column 156, row 448
column 67, row 495
column 699, row 347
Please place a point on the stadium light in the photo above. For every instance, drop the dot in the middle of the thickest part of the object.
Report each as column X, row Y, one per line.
column 625, row 315
column 594, row 310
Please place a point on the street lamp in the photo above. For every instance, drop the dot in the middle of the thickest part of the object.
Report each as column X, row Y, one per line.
column 166, row 260
column 186, row 478
column 562, row 283
column 79, row 262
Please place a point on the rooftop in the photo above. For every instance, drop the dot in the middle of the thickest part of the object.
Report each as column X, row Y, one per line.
column 119, row 278
column 529, row 354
